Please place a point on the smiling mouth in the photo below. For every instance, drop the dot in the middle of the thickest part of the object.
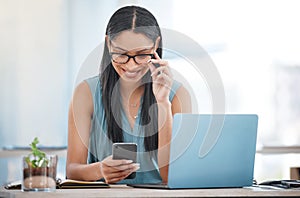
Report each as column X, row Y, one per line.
column 131, row 74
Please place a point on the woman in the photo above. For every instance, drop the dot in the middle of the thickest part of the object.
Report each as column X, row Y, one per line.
column 132, row 100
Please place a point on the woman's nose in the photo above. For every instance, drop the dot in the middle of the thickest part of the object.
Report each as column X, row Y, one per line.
column 131, row 63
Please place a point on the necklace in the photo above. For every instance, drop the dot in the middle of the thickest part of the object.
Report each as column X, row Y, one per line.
column 133, row 105
column 132, row 108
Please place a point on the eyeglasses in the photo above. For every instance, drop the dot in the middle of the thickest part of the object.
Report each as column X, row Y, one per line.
column 124, row 58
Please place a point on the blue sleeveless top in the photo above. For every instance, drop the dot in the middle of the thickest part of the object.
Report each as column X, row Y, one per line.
column 100, row 146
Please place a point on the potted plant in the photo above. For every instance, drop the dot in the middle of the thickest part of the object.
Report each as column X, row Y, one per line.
column 39, row 170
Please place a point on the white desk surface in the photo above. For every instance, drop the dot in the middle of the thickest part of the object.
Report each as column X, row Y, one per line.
column 124, row 191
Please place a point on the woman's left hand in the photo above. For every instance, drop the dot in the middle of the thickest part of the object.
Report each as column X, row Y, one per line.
column 161, row 78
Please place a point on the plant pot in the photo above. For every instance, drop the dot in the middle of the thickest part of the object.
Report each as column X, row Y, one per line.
column 40, row 178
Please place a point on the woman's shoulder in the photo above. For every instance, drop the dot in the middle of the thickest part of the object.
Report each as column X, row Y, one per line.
column 82, row 93
column 92, row 79
column 93, row 83
column 175, row 86
column 182, row 101
column 87, row 88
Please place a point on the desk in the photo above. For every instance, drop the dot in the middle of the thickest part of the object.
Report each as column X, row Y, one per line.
column 20, row 152
column 124, row 191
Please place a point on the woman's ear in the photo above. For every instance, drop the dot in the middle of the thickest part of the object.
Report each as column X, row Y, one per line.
column 157, row 43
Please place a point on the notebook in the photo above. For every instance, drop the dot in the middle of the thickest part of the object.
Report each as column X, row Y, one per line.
column 211, row 151
column 63, row 184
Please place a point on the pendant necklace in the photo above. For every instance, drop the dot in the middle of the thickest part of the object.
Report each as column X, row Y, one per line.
column 134, row 105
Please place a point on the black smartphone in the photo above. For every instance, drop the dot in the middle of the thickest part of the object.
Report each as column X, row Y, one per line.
column 125, row 151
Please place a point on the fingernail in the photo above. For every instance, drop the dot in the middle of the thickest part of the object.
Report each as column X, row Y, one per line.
column 149, row 61
column 129, row 161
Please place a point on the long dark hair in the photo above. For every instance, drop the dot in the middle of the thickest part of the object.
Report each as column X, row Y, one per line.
column 138, row 20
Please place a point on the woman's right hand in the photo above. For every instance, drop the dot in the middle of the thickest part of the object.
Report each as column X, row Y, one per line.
column 114, row 171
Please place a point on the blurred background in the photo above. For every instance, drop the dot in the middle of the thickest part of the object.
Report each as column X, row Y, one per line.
column 255, row 46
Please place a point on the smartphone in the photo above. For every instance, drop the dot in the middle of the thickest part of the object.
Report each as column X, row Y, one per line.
column 125, row 151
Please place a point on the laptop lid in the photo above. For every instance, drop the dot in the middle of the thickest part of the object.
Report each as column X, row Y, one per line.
column 211, row 151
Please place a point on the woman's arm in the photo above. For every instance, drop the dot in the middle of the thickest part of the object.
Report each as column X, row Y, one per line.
column 181, row 104
column 162, row 83
column 80, row 114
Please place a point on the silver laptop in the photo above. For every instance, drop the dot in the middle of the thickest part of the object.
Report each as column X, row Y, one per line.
column 211, row 151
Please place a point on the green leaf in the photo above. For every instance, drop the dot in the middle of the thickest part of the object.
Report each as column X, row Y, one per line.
column 27, row 160
column 40, row 159
column 34, row 163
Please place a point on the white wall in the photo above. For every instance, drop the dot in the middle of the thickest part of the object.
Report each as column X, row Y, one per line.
column 35, row 68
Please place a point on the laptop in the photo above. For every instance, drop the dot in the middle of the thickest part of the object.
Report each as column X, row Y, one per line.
column 211, row 151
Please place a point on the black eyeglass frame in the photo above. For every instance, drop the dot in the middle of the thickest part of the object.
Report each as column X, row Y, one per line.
column 129, row 57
